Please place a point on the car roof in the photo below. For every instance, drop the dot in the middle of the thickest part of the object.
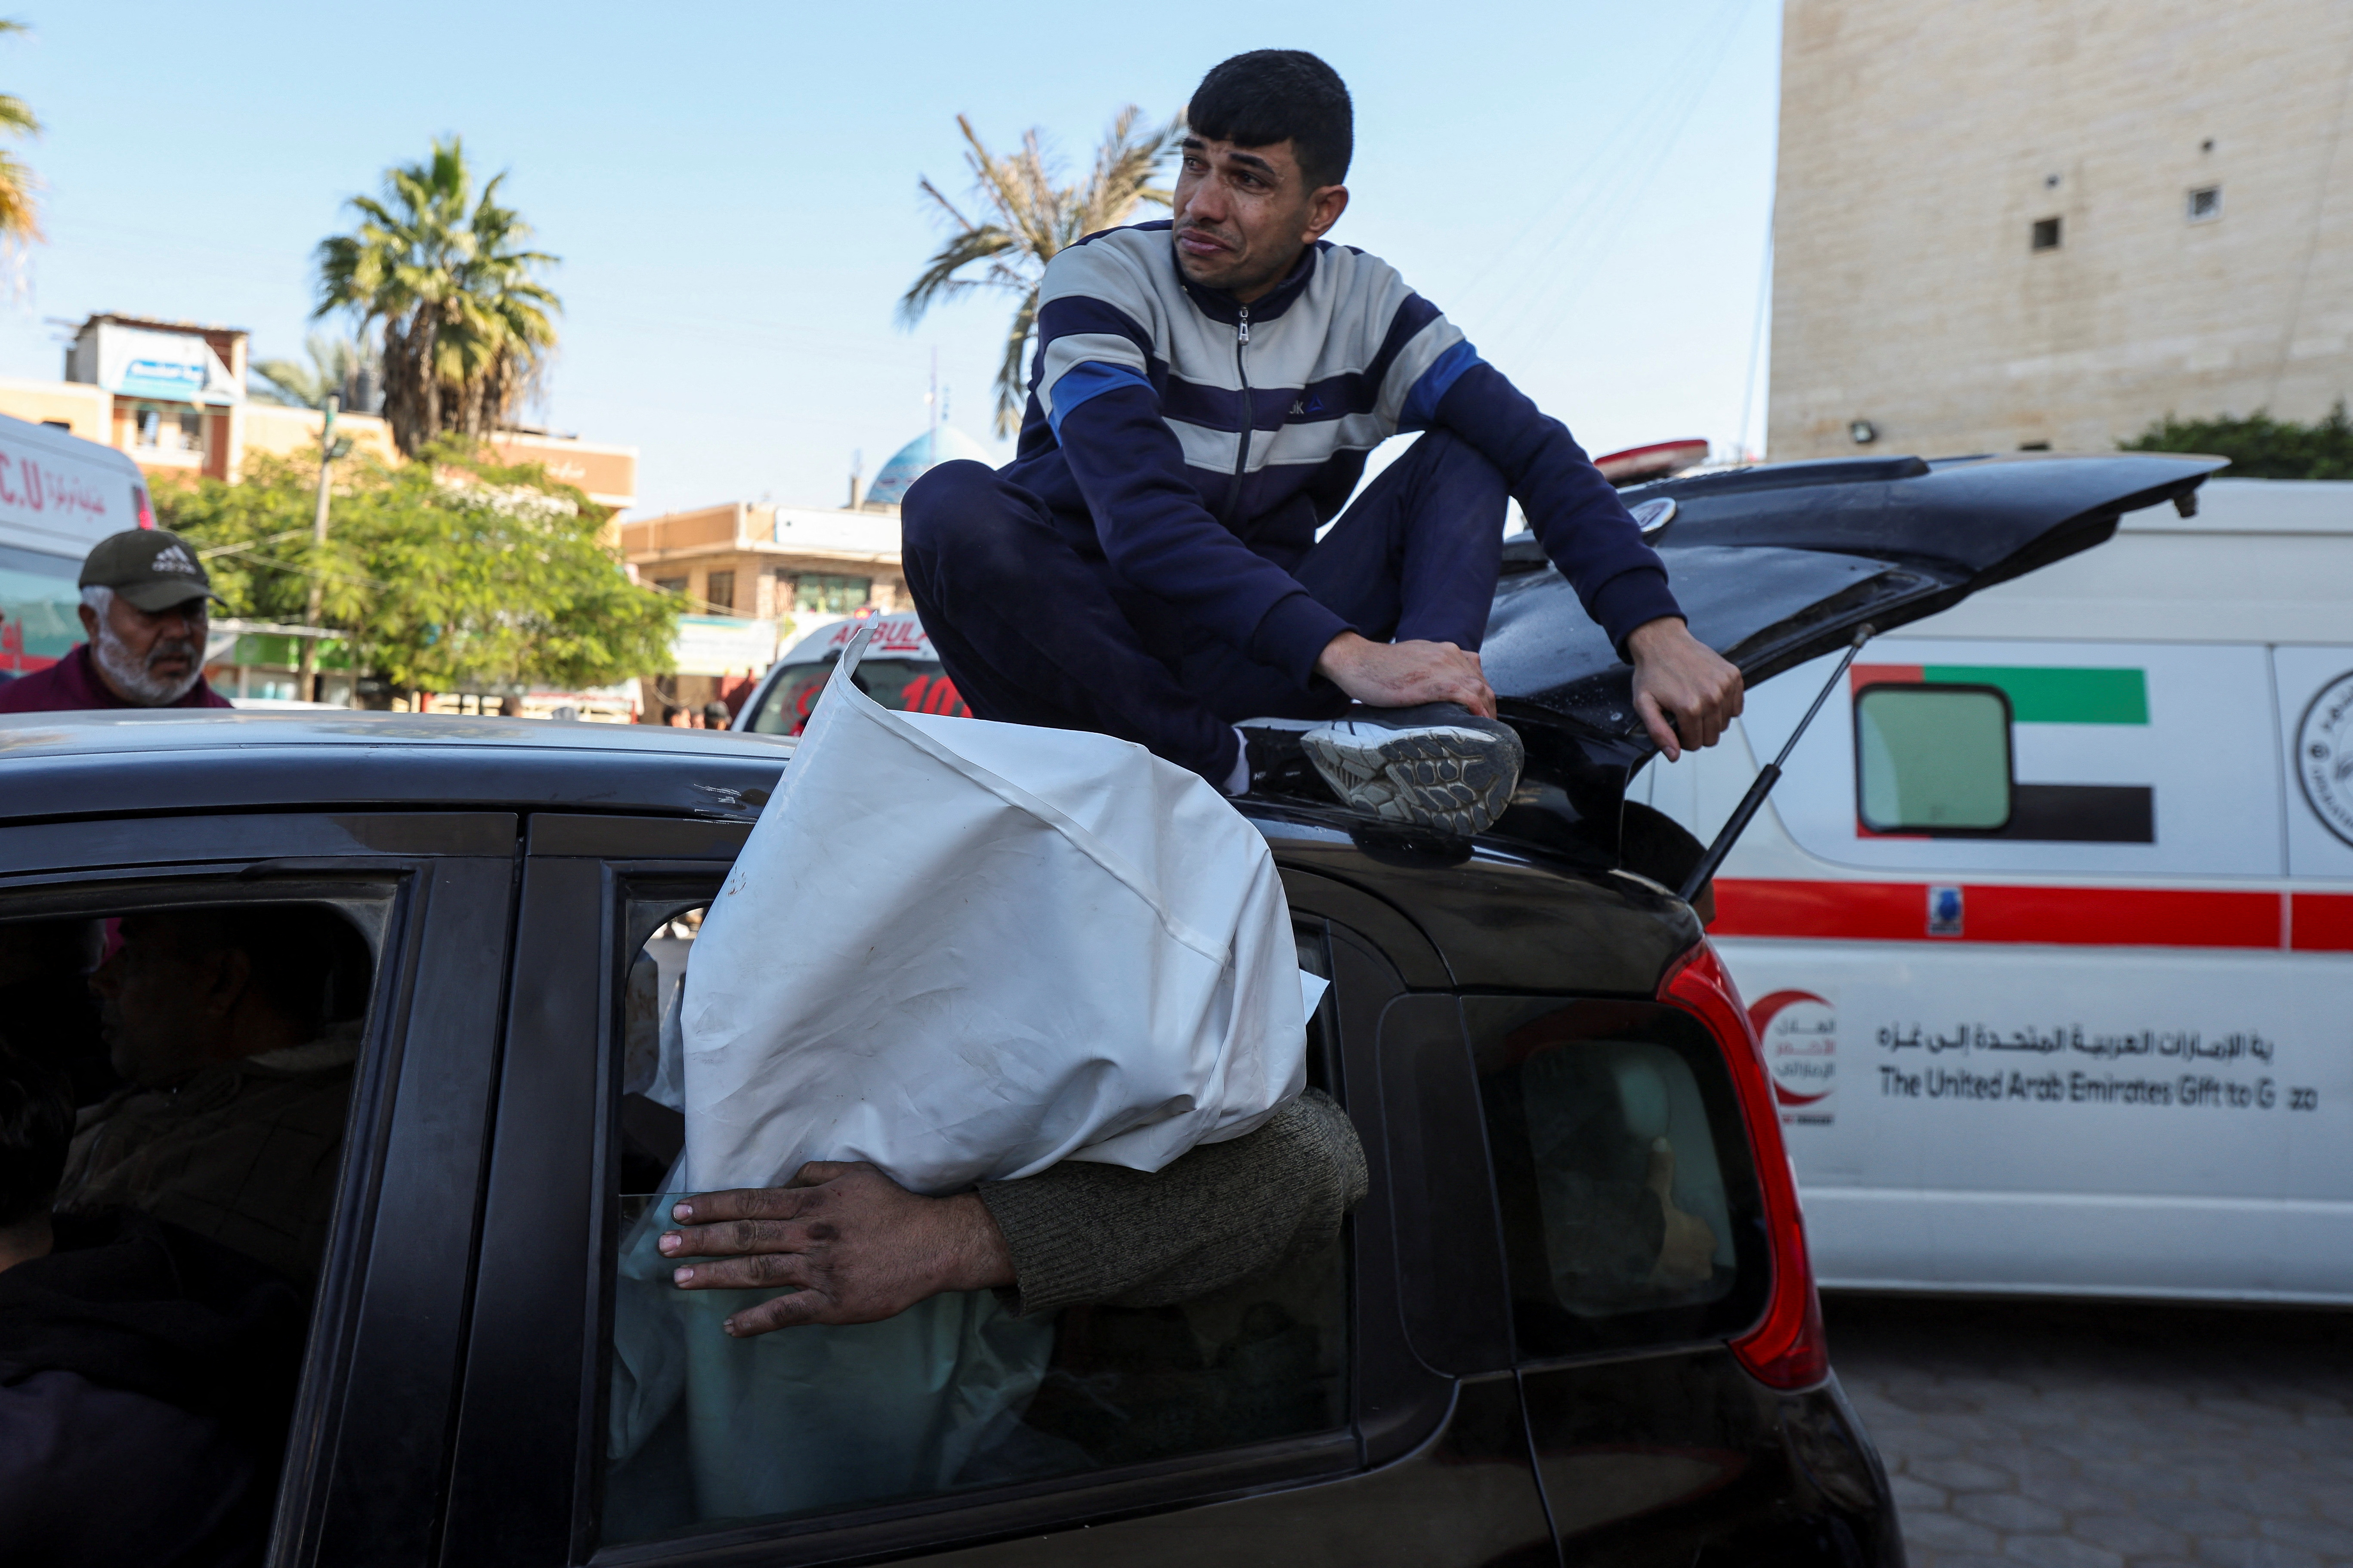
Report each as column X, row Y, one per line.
column 1490, row 914
column 114, row 762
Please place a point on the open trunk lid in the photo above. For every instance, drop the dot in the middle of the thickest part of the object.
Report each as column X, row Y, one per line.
column 1775, row 565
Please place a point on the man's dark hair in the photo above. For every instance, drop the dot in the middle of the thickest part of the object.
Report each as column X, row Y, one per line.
column 37, row 1125
column 1280, row 95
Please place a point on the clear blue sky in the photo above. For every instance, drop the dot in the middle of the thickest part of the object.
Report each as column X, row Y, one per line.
column 1586, row 188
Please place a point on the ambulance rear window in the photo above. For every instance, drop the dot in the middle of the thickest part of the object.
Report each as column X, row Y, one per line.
column 1932, row 759
column 916, row 686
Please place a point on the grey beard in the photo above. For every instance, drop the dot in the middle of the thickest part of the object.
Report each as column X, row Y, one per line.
column 133, row 678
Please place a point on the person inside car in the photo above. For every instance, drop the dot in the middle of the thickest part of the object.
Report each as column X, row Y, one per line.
column 236, row 1028
column 146, row 1375
column 1205, row 390
column 144, row 594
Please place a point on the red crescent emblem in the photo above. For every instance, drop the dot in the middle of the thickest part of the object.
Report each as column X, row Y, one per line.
column 1761, row 1012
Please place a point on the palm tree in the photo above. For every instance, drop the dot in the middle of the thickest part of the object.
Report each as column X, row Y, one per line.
column 1029, row 219
column 466, row 323
column 337, row 365
column 20, row 215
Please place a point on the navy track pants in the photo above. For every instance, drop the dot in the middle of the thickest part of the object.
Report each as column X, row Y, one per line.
column 1036, row 627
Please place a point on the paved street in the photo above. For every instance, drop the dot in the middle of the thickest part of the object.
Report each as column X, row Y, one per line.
column 2095, row 1435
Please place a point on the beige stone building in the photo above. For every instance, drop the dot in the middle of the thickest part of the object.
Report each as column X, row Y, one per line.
column 770, row 563
column 2006, row 224
column 173, row 395
column 784, row 570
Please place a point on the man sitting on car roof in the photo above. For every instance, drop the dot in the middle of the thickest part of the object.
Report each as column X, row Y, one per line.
column 1205, row 390
column 142, row 604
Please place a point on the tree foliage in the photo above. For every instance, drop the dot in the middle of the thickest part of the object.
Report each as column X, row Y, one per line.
column 446, row 573
column 468, row 325
column 20, row 212
column 1027, row 218
column 2260, row 446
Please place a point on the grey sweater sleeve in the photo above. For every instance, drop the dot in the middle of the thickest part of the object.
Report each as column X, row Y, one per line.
column 1083, row 1232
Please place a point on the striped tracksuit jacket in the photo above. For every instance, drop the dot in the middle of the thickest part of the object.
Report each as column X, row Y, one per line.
column 1197, row 435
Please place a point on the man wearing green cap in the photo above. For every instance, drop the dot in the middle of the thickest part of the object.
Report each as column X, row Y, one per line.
column 142, row 603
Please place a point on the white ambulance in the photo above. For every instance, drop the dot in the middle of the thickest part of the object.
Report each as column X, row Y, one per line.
column 2047, row 931
column 59, row 496
column 899, row 671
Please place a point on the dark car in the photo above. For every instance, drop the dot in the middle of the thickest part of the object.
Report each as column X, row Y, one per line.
column 1573, row 1318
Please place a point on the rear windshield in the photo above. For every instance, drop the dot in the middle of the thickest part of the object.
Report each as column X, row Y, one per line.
column 918, row 686
column 1630, row 1203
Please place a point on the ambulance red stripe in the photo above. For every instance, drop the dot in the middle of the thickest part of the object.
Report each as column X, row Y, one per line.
column 2321, row 922
column 2072, row 917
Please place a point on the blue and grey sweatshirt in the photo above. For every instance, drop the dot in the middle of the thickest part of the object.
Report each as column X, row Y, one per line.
column 1201, row 436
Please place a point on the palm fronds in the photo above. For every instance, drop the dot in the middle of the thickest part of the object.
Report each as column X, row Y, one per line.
column 20, row 211
column 467, row 327
column 336, row 365
column 1027, row 216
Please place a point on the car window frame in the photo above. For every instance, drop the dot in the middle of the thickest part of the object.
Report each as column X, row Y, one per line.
column 414, row 1120
column 1742, row 1191
column 500, row 1514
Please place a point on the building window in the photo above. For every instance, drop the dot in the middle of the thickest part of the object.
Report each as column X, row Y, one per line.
column 828, row 596
column 719, row 592
column 180, row 430
column 2046, row 234
column 670, row 586
column 2206, row 204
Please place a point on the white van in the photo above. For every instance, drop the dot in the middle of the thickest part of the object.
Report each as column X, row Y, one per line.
column 2048, row 930
column 59, row 496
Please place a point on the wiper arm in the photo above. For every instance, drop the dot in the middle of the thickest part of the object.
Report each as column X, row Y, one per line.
column 1767, row 778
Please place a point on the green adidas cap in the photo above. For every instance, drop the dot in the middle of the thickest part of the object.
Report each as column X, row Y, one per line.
column 154, row 569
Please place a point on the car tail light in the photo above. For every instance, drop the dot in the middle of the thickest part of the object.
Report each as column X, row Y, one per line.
column 146, row 509
column 1786, row 1349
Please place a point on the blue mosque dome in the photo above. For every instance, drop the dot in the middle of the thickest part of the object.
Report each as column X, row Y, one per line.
column 908, row 464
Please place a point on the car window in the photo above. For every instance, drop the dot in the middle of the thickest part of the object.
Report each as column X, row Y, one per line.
column 915, row 686
column 954, row 1396
column 1933, row 758
column 206, row 1039
column 1629, row 1201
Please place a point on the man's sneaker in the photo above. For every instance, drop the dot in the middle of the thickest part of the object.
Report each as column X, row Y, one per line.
column 1439, row 765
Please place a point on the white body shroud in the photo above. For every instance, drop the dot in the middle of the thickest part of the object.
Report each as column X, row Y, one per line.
column 967, row 950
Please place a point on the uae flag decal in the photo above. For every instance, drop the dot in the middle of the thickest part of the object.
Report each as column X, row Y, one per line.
column 2037, row 695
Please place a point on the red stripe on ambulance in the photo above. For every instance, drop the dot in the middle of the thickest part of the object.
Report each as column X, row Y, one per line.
column 2072, row 917
column 2321, row 922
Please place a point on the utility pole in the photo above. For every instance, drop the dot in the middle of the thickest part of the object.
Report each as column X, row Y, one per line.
column 306, row 680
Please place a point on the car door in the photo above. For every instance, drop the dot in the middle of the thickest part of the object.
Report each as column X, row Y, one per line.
column 429, row 895
column 1286, row 1421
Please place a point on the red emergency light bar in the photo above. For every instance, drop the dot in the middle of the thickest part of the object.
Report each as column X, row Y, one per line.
column 1658, row 460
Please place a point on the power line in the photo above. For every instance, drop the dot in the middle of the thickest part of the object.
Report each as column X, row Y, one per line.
column 1568, row 283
